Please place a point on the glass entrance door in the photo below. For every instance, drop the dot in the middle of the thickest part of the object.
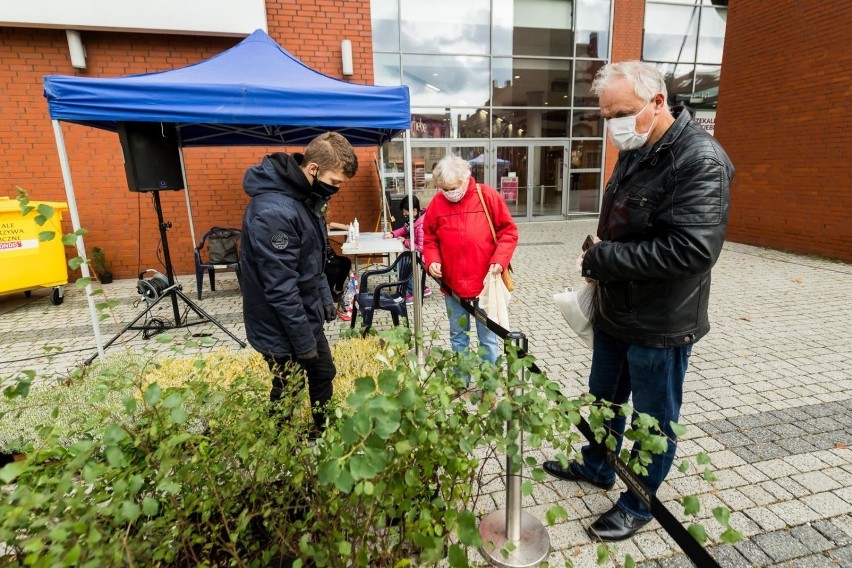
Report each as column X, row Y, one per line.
column 531, row 178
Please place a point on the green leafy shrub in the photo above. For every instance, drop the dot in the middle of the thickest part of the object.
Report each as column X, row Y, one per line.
column 178, row 462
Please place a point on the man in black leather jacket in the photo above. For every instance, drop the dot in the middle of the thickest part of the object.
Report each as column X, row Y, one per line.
column 286, row 298
column 662, row 224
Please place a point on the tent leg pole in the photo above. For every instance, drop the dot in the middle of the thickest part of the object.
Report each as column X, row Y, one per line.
column 186, row 195
column 415, row 268
column 75, row 223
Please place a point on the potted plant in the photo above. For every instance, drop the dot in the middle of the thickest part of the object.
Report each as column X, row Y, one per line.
column 98, row 263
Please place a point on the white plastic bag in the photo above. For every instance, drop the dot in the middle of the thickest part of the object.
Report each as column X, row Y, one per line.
column 494, row 299
column 577, row 307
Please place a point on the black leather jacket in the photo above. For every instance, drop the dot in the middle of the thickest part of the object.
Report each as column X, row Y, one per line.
column 661, row 228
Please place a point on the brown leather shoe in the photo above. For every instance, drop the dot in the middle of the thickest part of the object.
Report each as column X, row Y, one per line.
column 569, row 473
column 615, row 525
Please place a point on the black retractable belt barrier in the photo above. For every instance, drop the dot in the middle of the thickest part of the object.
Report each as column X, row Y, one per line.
column 691, row 547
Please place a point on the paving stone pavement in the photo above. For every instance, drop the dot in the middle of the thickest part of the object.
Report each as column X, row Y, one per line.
column 768, row 394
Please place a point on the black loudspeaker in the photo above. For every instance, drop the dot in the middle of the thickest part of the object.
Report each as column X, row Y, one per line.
column 151, row 156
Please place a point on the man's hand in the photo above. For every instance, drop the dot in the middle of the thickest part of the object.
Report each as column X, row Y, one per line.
column 495, row 269
column 308, row 358
column 330, row 312
column 435, row 269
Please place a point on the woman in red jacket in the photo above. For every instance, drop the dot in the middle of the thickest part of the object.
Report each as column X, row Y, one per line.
column 458, row 246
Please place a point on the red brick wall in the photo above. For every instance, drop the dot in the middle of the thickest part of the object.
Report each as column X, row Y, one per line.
column 628, row 21
column 123, row 223
column 784, row 116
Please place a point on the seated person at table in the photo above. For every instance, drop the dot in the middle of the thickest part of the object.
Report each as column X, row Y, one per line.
column 403, row 234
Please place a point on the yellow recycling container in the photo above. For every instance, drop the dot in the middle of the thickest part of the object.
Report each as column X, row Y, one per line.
column 25, row 262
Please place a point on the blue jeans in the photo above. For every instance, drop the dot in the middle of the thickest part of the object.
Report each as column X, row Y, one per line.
column 460, row 331
column 654, row 377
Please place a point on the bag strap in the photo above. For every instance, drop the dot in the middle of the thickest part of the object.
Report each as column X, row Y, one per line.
column 487, row 214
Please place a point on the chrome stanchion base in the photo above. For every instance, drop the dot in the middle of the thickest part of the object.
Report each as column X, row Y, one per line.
column 531, row 550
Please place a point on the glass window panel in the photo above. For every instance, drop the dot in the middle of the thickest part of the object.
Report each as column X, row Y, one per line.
column 587, row 124
column 446, row 26
column 531, row 82
column 586, row 154
column 679, row 81
column 704, row 2
column 386, row 69
column 532, row 27
column 430, row 125
column 529, row 123
column 706, row 86
column 593, row 28
column 385, row 23
column 446, row 80
column 502, row 23
column 584, row 192
column 711, row 35
column 670, row 32
column 585, row 74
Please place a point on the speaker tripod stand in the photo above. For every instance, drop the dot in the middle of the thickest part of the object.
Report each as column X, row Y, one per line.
column 172, row 291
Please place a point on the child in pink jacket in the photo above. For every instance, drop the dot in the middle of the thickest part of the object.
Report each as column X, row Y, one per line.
column 402, row 234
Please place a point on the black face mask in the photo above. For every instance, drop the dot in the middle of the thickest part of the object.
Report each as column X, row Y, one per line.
column 322, row 189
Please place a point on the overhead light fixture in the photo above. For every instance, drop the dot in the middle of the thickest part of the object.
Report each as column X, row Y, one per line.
column 517, row 76
column 434, row 74
column 346, row 57
column 76, row 49
column 433, row 87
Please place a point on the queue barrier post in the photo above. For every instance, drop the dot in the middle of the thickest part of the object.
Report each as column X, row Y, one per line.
column 530, row 543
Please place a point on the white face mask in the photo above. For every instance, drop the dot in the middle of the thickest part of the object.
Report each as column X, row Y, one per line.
column 622, row 131
column 455, row 195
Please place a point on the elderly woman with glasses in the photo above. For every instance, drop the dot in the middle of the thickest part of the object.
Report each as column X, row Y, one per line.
column 459, row 248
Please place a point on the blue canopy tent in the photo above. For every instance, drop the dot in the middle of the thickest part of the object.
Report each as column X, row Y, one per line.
column 250, row 95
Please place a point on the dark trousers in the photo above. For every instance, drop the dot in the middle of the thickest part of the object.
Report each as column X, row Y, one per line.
column 653, row 377
column 320, row 373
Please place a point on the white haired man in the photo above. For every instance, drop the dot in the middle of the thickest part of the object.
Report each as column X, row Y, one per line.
column 661, row 228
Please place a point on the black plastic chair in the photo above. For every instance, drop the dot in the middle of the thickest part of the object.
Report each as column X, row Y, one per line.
column 388, row 296
column 222, row 253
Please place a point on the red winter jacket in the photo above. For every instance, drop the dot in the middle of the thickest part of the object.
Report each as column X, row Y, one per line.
column 457, row 236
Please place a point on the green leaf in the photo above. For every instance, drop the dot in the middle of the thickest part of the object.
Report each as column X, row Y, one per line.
column 554, row 514
column 723, row 516
column 45, row 211
column 150, row 506
column 11, row 471
column 344, row 548
column 178, row 415
column 153, row 394
column 115, row 456
column 69, row 240
column 526, row 488
column 684, row 465
column 165, row 338
column 468, row 532
column 76, row 262
column 172, row 401
column 709, row 476
column 603, row 554
column 388, row 382
column 403, row 447
column 691, row 505
column 44, row 236
column 130, row 511
column 456, row 556
column 698, row 533
column 702, row 458
column 731, row 536
column 678, row 429
column 328, row 472
column 83, row 282
column 369, row 488
column 628, row 561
